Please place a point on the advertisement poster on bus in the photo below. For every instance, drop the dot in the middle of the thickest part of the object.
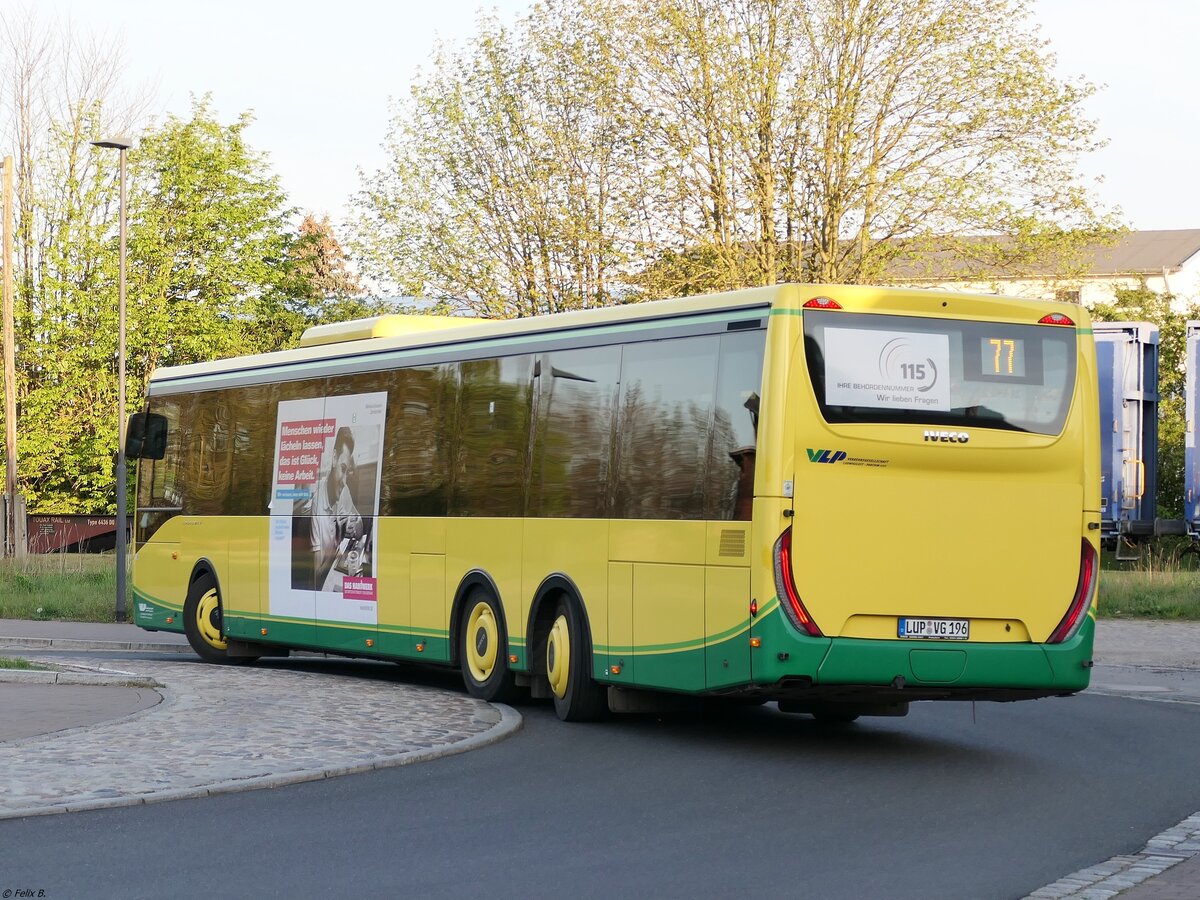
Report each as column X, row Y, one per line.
column 324, row 507
column 887, row 369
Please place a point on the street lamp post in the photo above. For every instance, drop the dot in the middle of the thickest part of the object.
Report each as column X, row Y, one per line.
column 122, row 144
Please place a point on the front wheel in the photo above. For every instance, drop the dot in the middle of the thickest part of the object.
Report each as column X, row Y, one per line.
column 483, row 649
column 577, row 698
column 202, row 622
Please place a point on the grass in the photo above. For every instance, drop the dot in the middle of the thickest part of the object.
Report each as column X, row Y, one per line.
column 8, row 662
column 72, row 587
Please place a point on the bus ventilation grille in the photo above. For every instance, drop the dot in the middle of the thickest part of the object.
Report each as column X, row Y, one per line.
column 733, row 543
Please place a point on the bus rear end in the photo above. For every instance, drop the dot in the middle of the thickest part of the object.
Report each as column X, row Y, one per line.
column 941, row 540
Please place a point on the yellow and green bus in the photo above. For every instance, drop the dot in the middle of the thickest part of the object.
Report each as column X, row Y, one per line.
column 843, row 499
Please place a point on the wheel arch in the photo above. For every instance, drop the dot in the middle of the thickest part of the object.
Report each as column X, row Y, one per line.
column 473, row 579
column 541, row 615
column 204, row 566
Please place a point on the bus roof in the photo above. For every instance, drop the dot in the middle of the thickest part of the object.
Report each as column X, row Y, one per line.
column 387, row 335
column 399, row 332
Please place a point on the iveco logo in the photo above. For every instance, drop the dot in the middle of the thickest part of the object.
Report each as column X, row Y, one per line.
column 948, row 437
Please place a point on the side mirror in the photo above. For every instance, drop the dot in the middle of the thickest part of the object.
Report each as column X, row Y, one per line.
column 146, row 436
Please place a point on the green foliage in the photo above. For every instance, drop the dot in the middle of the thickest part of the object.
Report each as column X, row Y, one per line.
column 1170, row 314
column 603, row 151
column 212, row 272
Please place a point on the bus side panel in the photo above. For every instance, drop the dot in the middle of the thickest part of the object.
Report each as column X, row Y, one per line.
column 494, row 547
column 394, row 613
column 668, row 599
column 577, row 549
column 160, row 581
column 241, row 589
column 727, row 621
column 430, row 622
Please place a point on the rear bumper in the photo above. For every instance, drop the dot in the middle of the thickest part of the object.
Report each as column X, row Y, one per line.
column 896, row 670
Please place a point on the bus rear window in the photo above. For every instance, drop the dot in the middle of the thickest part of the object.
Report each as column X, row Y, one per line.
column 876, row 368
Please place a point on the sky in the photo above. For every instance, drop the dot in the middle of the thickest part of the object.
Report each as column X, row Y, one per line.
column 319, row 78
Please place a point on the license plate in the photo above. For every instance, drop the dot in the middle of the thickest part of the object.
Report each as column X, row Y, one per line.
column 940, row 629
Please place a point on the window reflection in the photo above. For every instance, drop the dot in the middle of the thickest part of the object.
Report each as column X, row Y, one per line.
column 666, row 404
column 577, row 394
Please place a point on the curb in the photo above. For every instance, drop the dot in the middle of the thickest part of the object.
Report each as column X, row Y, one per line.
column 510, row 723
column 94, row 679
column 30, row 643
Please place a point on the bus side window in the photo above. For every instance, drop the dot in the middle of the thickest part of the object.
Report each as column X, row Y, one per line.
column 665, row 415
column 576, row 401
column 730, row 489
column 494, row 403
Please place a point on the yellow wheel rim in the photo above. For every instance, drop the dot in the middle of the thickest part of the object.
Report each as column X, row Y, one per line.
column 207, row 617
column 483, row 639
column 558, row 656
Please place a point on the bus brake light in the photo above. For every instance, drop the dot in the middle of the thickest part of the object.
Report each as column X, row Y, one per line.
column 822, row 303
column 1085, row 592
column 785, row 586
column 1056, row 319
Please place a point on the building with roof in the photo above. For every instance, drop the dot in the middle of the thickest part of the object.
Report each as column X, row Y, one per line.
column 1166, row 260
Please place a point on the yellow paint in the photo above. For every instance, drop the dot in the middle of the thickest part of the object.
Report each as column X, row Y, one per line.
column 668, row 606
column 394, row 588
column 726, row 536
column 493, row 545
column 620, row 615
column 970, row 530
column 577, row 548
column 242, row 588
column 380, row 327
column 158, row 572
column 428, row 590
column 558, row 657
column 726, row 599
column 656, row 541
column 481, row 663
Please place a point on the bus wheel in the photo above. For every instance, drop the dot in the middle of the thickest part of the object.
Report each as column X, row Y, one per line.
column 202, row 621
column 577, row 698
column 483, row 649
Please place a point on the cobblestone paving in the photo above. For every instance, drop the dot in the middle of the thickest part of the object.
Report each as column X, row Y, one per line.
column 223, row 728
column 1112, row 877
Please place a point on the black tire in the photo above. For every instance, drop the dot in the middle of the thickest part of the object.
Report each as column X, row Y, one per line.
column 483, row 649
column 577, row 698
column 202, row 623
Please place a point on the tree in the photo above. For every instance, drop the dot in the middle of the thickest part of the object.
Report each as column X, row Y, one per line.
column 508, row 189
column 321, row 263
column 58, row 90
column 605, row 150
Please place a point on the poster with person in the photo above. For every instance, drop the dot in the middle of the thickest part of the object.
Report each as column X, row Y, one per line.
column 324, row 506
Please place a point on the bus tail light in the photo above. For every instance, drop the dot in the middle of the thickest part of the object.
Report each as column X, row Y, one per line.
column 1056, row 319
column 785, row 586
column 1085, row 592
column 822, row 303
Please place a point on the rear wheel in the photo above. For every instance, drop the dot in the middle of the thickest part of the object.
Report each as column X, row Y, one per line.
column 202, row 622
column 577, row 698
column 483, row 649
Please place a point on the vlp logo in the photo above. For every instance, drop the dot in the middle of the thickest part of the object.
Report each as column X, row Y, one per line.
column 825, row 456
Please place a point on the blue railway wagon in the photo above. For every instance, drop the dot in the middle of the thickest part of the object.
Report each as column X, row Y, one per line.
column 1191, row 464
column 1127, row 362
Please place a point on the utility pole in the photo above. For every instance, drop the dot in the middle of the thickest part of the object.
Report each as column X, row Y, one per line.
column 10, row 373
column 121, row 144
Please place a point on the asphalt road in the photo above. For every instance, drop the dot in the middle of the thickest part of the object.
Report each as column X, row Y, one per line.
column 756, row 803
